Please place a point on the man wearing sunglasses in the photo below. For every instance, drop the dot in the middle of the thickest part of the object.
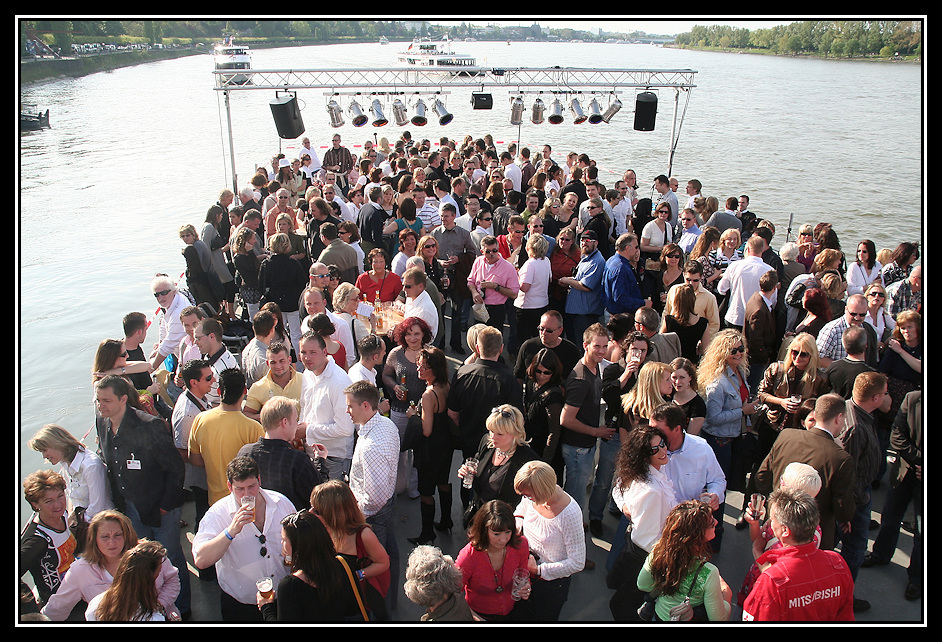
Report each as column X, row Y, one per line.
column 170, row 329
column 830, row 347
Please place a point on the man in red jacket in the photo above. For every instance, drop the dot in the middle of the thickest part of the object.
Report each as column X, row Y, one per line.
column 799, row 581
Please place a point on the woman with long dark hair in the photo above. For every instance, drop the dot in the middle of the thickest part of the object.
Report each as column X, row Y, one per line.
column 865, row 270
column 318, row 588
column 132, row 596
column 432, row 458
column 901, row 264
column 543, row 402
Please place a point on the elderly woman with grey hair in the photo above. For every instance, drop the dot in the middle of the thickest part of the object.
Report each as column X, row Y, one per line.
column 434, row 582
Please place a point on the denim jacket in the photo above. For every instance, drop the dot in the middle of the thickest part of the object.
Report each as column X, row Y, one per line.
column 724, row 406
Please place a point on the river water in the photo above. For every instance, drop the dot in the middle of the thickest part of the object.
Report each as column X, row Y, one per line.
column 135, row 153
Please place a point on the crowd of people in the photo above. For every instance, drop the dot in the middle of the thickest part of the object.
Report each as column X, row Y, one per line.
column 586, row 348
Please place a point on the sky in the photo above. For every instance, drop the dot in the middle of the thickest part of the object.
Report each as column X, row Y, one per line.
column 612, row 23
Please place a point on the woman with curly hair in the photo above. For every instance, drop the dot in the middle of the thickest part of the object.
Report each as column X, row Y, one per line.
column 646, row 496
column 677, row 567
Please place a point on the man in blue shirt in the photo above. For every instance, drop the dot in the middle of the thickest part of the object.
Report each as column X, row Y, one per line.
column 585, row 302
column 619, row 284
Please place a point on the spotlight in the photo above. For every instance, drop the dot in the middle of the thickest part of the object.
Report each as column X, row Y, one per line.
column 443, row 116
column 378, row 118
column 399, row 113
column 482, row 101
column 357, row 117
column 556, row 113
column 595, row 112
column 419, row 119
column 613, row 109
column 578, row 117
column 538, row 109
column 336, row 114
column 516, row 110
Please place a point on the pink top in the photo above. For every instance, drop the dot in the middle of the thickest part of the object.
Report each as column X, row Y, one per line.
column 83, row 581
column 481, row 580
column 503, row 273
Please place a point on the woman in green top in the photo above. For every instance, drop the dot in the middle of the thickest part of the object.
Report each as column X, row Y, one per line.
column 677, row 569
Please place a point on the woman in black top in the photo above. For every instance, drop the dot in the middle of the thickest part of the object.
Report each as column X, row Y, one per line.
column 247, row 266
column 543, row 401
column 317, row 589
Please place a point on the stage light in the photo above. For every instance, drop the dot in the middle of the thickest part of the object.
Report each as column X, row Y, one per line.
column 556, row 113
column 336, row 114
column 516, row 110
column 379, row 119
column 613, row 108
column 539, row 108
column 399, row 113
column 595, row 112
column 357, row 117
column 418, row 118
column 444, row 117
column 578, row 117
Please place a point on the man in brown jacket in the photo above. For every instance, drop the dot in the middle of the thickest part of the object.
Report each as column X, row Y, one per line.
column 759, row 328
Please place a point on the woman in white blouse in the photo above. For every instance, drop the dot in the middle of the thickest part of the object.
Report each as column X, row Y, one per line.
column 85, row 473
column 646, row 497
column 551, row 520
column 865, row 270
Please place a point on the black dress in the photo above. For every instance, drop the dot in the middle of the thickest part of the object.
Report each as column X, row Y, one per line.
column 540, row 403
column 689, row 335
column 432, row 458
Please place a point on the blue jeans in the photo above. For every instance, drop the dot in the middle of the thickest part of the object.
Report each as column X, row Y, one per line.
column 579, row 463
column 383, row 525
column 168, row 534
column 854, row 543
column 601, row 495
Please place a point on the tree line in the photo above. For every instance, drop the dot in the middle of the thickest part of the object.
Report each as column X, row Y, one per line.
column 838, row 38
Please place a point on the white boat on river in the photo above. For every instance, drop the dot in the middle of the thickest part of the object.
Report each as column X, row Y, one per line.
column 438, row 54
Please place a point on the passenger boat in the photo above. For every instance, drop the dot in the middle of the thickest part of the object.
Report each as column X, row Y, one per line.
column 425, row 52
column 228, row 55
column 30, row 122
column 383, row 40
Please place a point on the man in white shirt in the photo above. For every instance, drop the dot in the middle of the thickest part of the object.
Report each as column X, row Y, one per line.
column 374, row 467
column 511, row 170
column 418, row 302
column 169, row 327
column 306, row 148
column 427, row 213
column 255, row 353
column 315, row 302
column 741, row 280
column 323, row 408
column 662, row 186
column 243, row 540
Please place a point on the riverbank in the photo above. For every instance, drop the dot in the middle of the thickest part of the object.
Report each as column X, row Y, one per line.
column 768, row 52
column 41, row 69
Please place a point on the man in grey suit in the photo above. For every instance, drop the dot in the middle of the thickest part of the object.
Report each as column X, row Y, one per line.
column 665, row 346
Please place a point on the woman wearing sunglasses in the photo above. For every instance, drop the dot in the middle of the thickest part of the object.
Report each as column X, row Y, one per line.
column 877, row 316
column 721, row 376
column 784, row 386
column 646, row 496
column 543, row 404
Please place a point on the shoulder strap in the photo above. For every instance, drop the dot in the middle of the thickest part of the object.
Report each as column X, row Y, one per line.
column 356, row 589
column 694, row 580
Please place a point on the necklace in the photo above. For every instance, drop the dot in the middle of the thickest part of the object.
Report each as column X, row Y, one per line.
column 499, row 572
column 506, row 455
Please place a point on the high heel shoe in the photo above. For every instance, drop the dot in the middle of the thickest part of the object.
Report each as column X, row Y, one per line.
column 423, row 538
column 441, row 527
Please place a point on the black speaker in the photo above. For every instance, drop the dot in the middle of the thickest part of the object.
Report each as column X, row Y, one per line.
column 284, row 109
column 482, row 101
column 645, row 111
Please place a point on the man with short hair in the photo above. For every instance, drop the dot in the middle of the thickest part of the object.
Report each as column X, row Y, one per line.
column 169, row 328
column 208, row 336
column 418, row 302
column 550, row 337
column 581, row 418
column 842, row 373
column 621, row 290
column 372, row 350
column 511, row 171
column 585, row 300
column 323, row 410
column 190, row 317
column 339, row 160
column 281, row 379
column 145, row 471
column 492, row 281
column 217, row 434
column 741, row 281
column 662, row 186
column 457, row 249
column 338, row 253
column 664, row 346
column 370, row 220
column 426, row 212
column 819, row 448
column 759, row 328
column 476, row 388
column 799, row 582
column 693, row 192
column 723, row 220
column 197, row 379
column 859, row 439
column 284, row 468
column 905, row 294
column 315, row 302
column 830, row 346
column 687, row 233
column 243, row 540
column 254, row 354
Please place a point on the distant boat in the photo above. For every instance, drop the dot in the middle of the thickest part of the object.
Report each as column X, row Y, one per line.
column 30, row 122
column 425, row 52
column 383, row 40
column 227, row 55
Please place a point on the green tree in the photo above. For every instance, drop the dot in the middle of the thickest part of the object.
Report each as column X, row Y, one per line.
column 300, row 28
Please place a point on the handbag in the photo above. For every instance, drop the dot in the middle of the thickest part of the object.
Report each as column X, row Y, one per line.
column 356, row 589
column 480, row 312
column 412, row 435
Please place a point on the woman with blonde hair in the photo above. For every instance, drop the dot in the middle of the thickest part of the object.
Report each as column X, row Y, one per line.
column 651, row 390
column 110, row 536
column 353, row 539
column 85, row 474
column 722, row 376
column 132, row 596
column 678, row 567
column 707, row 242
column 784, row 386
column 346, row 298
column 503, row 450
column 551, row 520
